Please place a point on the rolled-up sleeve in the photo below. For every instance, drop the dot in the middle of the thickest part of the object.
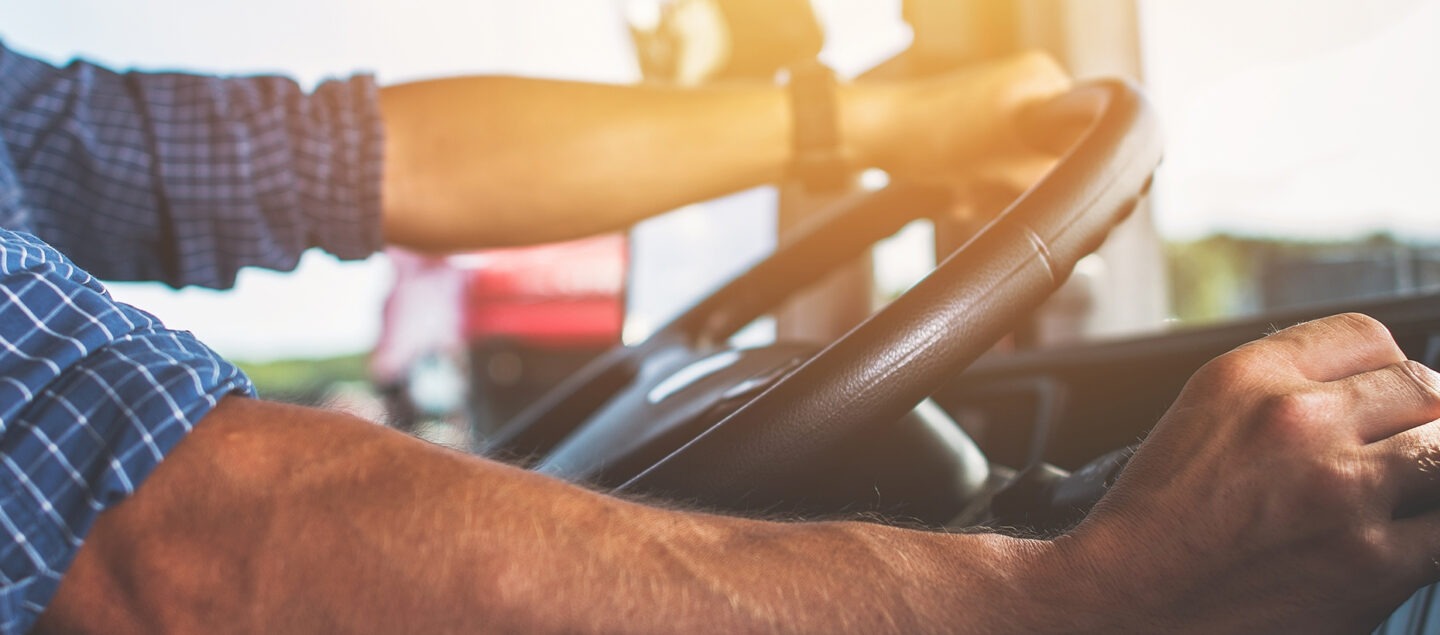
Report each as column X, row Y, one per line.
column 185, row 178
column 93, row 395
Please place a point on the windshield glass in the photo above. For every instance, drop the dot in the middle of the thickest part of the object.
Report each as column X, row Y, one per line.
column 1299, row 161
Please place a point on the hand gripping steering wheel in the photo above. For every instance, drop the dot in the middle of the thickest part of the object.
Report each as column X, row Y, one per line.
column 682, row 415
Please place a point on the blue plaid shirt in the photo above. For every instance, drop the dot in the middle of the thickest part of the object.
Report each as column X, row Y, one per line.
column 171, row 177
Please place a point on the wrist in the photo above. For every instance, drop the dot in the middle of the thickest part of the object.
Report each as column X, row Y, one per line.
column 1054, row 586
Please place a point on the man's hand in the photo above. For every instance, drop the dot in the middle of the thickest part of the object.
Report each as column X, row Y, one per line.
column 1290, row 488
column 959, row 128
column 963, row 130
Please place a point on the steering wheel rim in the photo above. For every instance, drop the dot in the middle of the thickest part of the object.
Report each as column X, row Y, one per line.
column 766, row 451
column 885, row 366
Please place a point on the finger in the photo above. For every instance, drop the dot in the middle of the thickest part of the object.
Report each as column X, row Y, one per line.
column 1036, row 75
column 1410, row 464
column 1047, row 116
column 1335, row 347
column 1385, row 402
column 1051, row 126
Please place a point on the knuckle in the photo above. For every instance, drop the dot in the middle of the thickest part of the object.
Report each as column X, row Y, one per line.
column 1230, row 368
column 1294, row 414
column 1423, row 379
column 1428, row 462
column 1363, row 325
column 1422, row 456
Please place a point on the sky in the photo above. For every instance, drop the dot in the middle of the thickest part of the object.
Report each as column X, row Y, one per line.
column 1302, row 118
column 1310, row 118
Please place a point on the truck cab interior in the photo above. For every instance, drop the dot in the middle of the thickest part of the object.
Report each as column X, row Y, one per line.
column 1008, row 384
column 906, row 353
column 1054, row 371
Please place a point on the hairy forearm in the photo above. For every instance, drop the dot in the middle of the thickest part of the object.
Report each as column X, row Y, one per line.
column 496, row 160
column 273, row 518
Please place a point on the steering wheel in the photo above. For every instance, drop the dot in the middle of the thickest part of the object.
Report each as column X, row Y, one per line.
column 684, row 416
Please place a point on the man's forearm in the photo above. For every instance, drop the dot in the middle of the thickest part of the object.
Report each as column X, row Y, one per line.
column 495, row 160
column 273, row 518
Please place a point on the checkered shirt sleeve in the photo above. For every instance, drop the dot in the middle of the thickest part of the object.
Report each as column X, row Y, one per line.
column 184, row 178
column 93, row 393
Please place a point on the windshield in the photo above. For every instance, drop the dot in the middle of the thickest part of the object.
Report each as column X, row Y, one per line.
column 1299, row 161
